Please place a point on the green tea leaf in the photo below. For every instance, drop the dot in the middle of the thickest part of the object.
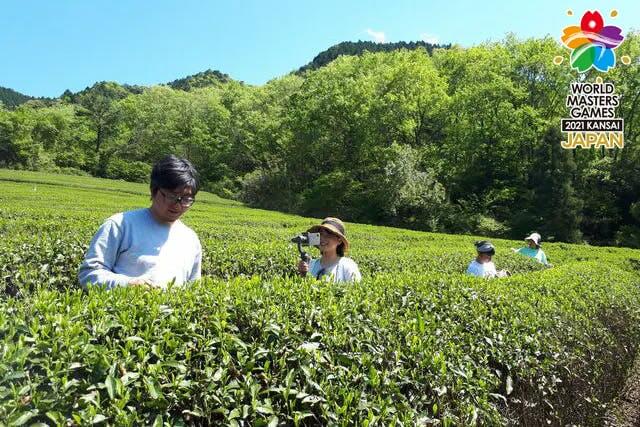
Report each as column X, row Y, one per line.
column 153, row 388
column 111, row 385
column 98, row 419
column 23, row 418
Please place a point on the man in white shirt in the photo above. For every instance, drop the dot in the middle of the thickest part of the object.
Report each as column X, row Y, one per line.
column 151, row 246
column 482, row 266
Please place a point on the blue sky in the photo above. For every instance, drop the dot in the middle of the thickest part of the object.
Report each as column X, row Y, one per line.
column 49, row 46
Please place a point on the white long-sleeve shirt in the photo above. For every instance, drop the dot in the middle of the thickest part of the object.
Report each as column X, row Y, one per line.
column 134, row 245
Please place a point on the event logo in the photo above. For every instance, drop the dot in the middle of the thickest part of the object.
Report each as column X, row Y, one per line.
column 592, row 104
column 592, row 43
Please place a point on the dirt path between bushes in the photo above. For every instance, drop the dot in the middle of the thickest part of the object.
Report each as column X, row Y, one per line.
column 626, row 412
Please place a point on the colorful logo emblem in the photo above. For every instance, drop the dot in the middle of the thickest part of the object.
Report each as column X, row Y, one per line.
column 592, row 43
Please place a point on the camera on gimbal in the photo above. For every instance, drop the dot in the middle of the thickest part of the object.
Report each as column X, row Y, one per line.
column 306, row 239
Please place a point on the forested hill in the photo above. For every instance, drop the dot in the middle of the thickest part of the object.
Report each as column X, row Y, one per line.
column 204, row 79
column 11, row 98
column 113, row 90
column 462, row 140
column 359, row 47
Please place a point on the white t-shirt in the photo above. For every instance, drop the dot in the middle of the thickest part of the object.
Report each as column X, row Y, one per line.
column 345, row 270
column 487, row 269
column 133, row 245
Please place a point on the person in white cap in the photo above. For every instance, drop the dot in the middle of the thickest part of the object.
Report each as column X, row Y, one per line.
column 333, row 265
column 533, row 250
column 482, row 266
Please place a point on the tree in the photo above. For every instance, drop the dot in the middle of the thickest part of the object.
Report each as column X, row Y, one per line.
column 555, row 198
column 347, row 113
column 162, row 120
column 100, row 107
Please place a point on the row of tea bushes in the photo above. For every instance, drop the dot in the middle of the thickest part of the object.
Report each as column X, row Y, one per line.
column 398, row 349
column 45, row 230
column 61, row 217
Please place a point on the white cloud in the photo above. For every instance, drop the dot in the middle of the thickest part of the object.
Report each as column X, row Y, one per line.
column 378, row 36
column 428, row 38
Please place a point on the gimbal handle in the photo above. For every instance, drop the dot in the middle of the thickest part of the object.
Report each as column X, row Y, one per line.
column 303, row 255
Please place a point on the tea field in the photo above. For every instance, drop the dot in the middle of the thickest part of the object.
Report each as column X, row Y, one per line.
column 417, row 342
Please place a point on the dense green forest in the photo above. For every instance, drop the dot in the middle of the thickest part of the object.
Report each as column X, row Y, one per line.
column 359, row 47
column 457, row 140
column 11, row 98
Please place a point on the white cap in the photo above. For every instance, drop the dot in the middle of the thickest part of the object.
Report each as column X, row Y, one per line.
column 535, row 237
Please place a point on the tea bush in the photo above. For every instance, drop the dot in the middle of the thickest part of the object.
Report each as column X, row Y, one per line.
column 398, row 349
column 415, row 343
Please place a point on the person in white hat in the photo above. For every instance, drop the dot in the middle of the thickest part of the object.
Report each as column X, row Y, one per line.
column 482, row 265
column 332, row 265
column 533, row 250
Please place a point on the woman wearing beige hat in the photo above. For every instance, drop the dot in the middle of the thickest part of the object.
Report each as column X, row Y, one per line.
column 332, row 265
column 534, row 250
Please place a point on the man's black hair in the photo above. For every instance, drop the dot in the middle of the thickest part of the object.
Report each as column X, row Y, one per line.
column 172, row 172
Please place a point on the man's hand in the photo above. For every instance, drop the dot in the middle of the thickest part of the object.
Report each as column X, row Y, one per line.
column 144, row 282
column 504, row 273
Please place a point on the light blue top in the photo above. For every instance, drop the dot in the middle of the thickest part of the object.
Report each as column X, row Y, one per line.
column 134, row 245
column 537, row 253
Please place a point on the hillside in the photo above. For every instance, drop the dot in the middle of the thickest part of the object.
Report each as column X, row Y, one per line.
column 202, row 79
column 359, row 47
column 10, row 98
column 396, row 139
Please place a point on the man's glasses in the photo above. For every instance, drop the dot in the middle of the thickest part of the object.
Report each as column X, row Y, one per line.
column 320, row 273
column 183, row 200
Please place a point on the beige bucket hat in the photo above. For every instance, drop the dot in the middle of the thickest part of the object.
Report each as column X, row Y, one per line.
column 333, row 226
